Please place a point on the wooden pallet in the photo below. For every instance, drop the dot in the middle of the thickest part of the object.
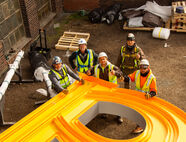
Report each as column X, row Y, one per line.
column 176, row 27
column 125, row 27
column 178, row 20
column 168, row 25
column 176, row 4
column 69, row 40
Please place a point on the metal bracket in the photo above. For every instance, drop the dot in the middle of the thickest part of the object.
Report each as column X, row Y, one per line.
column 19, row 74
column 2, row 122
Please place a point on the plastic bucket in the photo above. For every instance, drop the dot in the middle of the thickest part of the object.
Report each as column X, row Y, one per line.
column 160, row 32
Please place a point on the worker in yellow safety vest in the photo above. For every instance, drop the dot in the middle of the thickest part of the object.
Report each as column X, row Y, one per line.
column 59, row 75
column 83, row 59
column 130, row 56
column 105, row 70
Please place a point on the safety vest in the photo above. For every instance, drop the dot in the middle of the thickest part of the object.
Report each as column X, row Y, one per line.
column 133, row 55
column 146, row 86
column 63, row 80
column 83, row 67
column 112, row 78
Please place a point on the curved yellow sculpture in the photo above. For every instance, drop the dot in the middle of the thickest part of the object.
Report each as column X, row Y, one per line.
column 63, row 117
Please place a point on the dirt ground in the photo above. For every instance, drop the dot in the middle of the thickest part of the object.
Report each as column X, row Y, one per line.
column 167, row 64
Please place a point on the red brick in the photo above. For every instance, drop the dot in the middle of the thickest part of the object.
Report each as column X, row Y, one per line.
column 74, row 5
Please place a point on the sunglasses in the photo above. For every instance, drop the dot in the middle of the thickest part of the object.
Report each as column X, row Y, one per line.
column 143, row 67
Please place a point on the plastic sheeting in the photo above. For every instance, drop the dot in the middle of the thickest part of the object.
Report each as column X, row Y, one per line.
column 162, row 11
column 135, row 22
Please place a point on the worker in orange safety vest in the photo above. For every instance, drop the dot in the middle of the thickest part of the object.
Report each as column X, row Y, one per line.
column 145, row 82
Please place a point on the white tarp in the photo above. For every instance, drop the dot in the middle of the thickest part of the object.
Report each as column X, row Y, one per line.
column 162, row 11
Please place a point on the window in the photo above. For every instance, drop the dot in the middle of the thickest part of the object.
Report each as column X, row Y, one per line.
column 11, row 23
column 44, row 8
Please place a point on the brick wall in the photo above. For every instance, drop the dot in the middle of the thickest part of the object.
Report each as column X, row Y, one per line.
column 74, row 5
column 30, row 17
column 3, row 62
column 57, row 6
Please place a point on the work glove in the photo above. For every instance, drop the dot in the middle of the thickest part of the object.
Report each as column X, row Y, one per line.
column 121, row 79
column 82, row 81
column 147, row 96
column 88, row 72
column 65, row 91
column 150, row 95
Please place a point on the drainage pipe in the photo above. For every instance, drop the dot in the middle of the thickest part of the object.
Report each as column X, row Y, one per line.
column 13, row 67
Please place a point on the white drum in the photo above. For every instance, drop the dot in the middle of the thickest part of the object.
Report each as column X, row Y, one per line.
column 160, row 32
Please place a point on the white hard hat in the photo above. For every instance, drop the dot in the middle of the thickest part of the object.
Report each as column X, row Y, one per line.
column 56, row 60
column 102, row 54
column 130, row 36
column 82, row 41
column 144, row 62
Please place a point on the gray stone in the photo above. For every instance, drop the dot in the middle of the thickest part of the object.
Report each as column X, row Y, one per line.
column 12, row 39
column 6, row 46
column 17, row 35
column 1, row 14
column 6, row 11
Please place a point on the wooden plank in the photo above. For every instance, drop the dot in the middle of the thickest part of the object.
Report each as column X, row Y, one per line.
column 137, row 28
column 71, row 33
column 168, row 25
column 61, row 47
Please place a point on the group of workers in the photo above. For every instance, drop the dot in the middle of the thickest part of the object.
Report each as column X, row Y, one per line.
column 132, row 66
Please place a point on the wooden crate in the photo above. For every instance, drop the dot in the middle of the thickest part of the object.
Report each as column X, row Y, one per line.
column 176, row 4
column 69, row 40
column 178, row 20
column 177, row 27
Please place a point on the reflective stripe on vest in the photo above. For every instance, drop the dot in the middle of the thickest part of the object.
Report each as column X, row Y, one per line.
column 123, row 54
column 64, row 81
column 146, row 86
column 83, row 67
column 112, row 78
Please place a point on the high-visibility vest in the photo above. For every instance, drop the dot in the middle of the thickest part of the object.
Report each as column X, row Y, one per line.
column 146, row 86
column 112, row 78
column 63, row 80
column 124, row 54
column 83, row 67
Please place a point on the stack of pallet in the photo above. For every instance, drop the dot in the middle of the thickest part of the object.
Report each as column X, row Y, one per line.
column 178, row 19
column 69, row 40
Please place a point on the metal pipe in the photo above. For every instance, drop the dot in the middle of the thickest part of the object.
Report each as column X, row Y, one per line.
column 42, row 74
column 13, row 67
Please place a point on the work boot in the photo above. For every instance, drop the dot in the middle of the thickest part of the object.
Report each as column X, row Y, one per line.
column 120, row 119
column 137, row 130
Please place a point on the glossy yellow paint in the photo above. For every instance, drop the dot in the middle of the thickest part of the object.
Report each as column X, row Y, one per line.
column 58, row 118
